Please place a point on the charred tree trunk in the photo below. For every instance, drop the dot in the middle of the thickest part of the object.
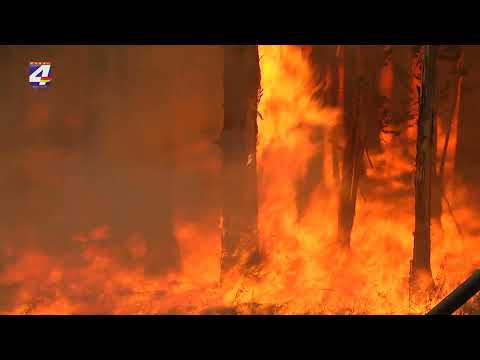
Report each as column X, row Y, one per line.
column 386, row 89
column 449, row 148
column 238, row 143
column 436, row 197
column 421, row 274
column 436, row 200
column 414, row 91
column 356, row 90
column 445, row 151
column 340, row 82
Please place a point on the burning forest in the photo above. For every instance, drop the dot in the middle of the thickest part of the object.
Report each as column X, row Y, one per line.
column 239, row 179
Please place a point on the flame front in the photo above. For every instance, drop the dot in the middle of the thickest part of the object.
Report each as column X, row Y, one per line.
column 303, row 269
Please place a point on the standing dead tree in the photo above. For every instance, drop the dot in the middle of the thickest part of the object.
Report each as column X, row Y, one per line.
column 238, row 143
column 386, row 78
column 421, row 274
column 356, row 89
column 448, row 149
column 340, row 94
column 415, row 81
column 446, row 127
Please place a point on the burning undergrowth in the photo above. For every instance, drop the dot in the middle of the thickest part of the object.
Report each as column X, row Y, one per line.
column 303, row 269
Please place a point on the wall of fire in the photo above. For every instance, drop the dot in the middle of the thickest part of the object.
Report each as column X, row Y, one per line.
column 124, row 134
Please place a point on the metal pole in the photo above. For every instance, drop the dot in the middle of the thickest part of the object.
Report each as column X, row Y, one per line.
column 459, row 296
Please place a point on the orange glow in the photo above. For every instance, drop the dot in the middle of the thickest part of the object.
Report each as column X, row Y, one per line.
column 303, row 269
column 386, row 75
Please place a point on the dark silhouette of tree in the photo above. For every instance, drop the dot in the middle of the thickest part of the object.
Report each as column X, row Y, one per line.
column 238, row 143
column 421, row 274
column 357, row 92
column 446, row 176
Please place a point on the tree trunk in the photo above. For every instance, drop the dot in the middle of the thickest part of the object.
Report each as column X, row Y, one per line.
column 340, row 81
column 449, row 148
column 356, row 91
column 436, row 198
column 414, row 93
column 386, row 89
column 446, row 150
column 424, row 172
column 238, row 143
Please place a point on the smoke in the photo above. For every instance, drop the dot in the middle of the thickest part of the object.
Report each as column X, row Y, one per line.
column 120, row 146
column 115, row 167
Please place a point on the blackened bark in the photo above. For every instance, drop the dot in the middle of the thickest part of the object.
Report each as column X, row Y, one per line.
column 238, row 143
column 415, row 81
column 340, row 95
column 453, row 120
column 436, row 201
column 424, row 168
column 356, row 92
column 386, row 89
column 374, row 64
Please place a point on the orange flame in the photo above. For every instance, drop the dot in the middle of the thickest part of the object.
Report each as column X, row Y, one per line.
column 303, row 270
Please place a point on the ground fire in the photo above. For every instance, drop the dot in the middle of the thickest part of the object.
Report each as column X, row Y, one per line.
column 240, row 180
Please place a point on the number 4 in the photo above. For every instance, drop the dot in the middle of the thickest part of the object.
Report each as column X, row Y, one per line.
column 34, row 78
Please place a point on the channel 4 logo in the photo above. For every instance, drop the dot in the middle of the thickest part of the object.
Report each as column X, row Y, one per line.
column 40, row 73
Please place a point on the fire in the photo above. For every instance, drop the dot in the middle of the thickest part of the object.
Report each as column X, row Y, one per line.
column 303, row 269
